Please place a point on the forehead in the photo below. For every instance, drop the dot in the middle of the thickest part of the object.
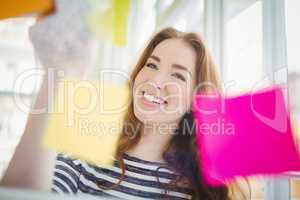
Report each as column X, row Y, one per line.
column 176, row 51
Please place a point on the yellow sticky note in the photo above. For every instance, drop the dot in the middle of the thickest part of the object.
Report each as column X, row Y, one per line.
column 13, row 8
column 87, row 120
column 111, row 22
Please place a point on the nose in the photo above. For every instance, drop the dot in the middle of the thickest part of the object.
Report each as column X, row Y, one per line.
column 158, row 81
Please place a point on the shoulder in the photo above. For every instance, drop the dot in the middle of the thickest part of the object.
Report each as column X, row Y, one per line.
column 66, row 174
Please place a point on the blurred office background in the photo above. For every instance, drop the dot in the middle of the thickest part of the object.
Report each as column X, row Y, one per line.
column 254, row 42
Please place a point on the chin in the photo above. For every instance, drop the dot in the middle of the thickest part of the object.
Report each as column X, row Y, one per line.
column 156, row 118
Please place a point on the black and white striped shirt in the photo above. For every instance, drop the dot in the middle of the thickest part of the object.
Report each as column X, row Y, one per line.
column 143, row 179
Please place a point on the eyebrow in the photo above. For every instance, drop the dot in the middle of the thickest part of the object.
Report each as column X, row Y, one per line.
column 177, row 66
column 155, row 58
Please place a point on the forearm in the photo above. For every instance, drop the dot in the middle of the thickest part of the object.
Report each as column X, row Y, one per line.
column 31, row 165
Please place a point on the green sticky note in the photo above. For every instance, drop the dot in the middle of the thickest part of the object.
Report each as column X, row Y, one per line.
column 110, row 22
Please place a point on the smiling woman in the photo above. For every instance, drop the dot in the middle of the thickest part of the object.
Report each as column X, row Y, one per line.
column 151, row 162
column 168, row 74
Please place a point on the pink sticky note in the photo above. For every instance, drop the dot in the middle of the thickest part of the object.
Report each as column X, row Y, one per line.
column 244, row 135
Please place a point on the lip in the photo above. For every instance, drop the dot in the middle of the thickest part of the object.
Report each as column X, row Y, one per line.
column 148, row 103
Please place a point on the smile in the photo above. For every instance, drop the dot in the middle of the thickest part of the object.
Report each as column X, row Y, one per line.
column 154, row 99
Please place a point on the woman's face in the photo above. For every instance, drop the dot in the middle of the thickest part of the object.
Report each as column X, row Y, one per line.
column 163, row 88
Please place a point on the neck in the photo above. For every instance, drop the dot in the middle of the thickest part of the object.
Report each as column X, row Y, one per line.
column 153, row 142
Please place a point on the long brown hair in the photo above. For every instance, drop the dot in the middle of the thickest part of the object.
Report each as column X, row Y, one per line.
column 181, row 154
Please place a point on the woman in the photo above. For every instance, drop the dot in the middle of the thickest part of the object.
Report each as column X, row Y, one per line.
column 154, row 162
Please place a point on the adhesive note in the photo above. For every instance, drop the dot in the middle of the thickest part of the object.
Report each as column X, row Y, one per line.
column 87, row 120
column 244, row 135
column 109, row 21
column 13, row 8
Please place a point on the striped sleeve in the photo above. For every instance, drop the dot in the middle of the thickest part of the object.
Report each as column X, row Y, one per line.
column 66, row 175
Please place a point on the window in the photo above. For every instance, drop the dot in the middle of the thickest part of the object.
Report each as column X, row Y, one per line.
column 243, row 45
column 16, row 57
column 293, row 48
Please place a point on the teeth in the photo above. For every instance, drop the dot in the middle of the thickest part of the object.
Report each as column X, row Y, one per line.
column 152, row 98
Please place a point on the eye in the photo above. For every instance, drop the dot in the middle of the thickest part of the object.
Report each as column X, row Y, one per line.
column 179, row 76
column 152, row 65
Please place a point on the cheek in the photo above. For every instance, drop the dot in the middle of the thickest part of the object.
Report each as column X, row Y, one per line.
column 139, row 79
column 180, row 96
column 143, row 75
